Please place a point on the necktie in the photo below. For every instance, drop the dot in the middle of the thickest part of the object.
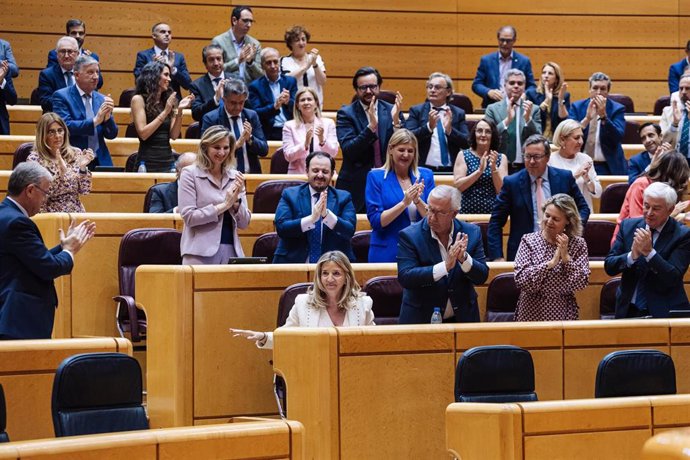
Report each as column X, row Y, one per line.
column 684, row 135
column 540, row 197
column 592, row 137
column 69, row 78
column 216, row 81
column 164, row 54
column 239, row 155
column 442, row 141
column 315, row 238
column 88, row 105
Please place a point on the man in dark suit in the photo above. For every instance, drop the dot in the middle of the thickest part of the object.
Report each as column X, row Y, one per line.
column 8, row 96
column 58, row 76
column 314, row 218
column 164, row 196
column 87, row 113
column 490, row 75
column 652, row 253
column 7, row 55
column 162, row 37
column 75, row 28
column 605, row 120
column 650, row 136
column 208, row 89
column 440, row 127
column 273, row 96
column 440, row 259
column 243, row 123
column 363, row 129
column 675, row 71
column 523, row 193
column 27, row 294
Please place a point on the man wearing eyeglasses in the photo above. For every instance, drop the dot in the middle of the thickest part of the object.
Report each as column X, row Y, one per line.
column 75, row 28
column 440, row 260
column 242, row 51
column 440, row 127
column 523, row 194
column 364, row 128
column 58, row 76
column 493, row 67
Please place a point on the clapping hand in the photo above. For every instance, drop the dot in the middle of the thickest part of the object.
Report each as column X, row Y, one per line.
column 77, row 235
column 456, row 252
column 396, row 107
column 600, row 103
column 483, row 162
column 413, row 192
column 171, row 103
column 562, row 247
column 319, row 132
column 373, row 119
column 85, row 158
column 246, row 133
column 584, row 170
column 527, row 109
column 642, row 243
column 493, row 160
column 320, row 209
column 4, row 70
column 186, row 103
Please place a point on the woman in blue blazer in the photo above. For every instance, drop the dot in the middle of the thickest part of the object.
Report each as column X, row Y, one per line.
column 396, row 195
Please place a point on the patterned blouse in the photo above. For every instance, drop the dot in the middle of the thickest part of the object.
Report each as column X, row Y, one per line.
column 549, row 294
column 479, row 197
column 64, row 190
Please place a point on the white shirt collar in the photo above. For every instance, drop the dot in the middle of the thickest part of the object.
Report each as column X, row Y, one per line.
column 157, row 50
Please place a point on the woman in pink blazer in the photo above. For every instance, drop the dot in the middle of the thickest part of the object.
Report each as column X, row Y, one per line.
column 307, row 132
column 213, row 202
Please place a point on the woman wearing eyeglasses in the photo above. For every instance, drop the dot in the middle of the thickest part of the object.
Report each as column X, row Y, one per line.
column 67, row 164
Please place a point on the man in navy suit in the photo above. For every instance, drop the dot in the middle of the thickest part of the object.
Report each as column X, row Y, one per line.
column 273, row 96
column 440, row 127
column 363, row 129
column 440, row 259
column 675, row 71
column 27, row 293
column 8, row 96
column 243, row 123
column 164, row 196
column 605, row 120
column 75, row 28
column 7, row 55
column 652, row 253
column 314, row 218
column 490, row 75
column 162, row 36
column 650, row 136
column 522, row 193
column 58, row 76
column 208, row 89
column 87, row 113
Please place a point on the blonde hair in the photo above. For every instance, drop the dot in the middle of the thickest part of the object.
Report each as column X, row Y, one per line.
column 567, row 206
column 564, row 129
column 66, row 150
column 351, row 290
column 211, row 136
column 402, row 136
column 559, row 78
column 295, row 111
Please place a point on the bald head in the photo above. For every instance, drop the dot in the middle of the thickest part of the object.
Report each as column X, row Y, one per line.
column 184, row 160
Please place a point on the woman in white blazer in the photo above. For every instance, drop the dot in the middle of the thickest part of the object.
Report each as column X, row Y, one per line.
column 212, row 201
column 334, row 300
column 307, row 132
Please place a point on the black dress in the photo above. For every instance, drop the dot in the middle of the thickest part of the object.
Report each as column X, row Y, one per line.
column 155, row 151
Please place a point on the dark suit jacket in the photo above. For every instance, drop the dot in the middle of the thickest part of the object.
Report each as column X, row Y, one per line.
column 27, row 293
column 418, row 252
column 7, row 55
column 295, row 203
column 50, row 80
column 163, row 197
column 258, row 147
column 8, row 96
column 53, row 60
column 611, row 133
column 261, row 99
column 637, row 165
column 675, row 71
column 69, row 105
column 357, row 144
column 202, row 89
column 417, row 121
column 538, row 98
column 488, row 74
column 515, row 200
column 180, row 78
column 659, row 281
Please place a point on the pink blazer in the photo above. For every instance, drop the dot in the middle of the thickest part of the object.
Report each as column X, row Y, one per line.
column 197, row 196
column 294, row 135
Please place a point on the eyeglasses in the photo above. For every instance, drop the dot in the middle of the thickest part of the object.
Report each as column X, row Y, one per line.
column 436, row 87
column 534, row 157
column 506, row 40
column 436, row 212
column 45, row 192
column 66, row 52
column 56, row 132
column 365, row 88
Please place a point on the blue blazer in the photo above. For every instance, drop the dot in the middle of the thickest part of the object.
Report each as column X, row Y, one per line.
column 261, row 99
column 418, row 252
column 295, row 203
column 181, row 78
column 7, row 55
column 384, row 193
column 538, row 98
column 515, row 200
column 163, row 197
column 202, row 89
column 488, row 74
column 8, row 96
column 637, row 165
column 659, row 281
column 50, row 80
column 417, row 120
column 258, row 147
column 53, row 60
column 27, row 292
column 69, row 105
column 675, row 71
column 611, row 133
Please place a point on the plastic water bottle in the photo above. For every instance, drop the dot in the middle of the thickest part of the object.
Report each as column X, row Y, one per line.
column 142, row 167
column 172, row 168
column 436, row 318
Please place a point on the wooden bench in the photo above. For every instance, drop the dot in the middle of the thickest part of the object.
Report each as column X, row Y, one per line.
column 608, row 428
column 27, row 368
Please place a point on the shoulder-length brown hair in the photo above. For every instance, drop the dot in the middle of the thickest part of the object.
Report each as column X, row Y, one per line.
column 41, row 146
column 351, row 290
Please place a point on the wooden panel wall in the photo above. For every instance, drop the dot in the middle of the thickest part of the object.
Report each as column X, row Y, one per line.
column 633, row 41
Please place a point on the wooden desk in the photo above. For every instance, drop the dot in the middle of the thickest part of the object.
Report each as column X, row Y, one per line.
column 668, row 445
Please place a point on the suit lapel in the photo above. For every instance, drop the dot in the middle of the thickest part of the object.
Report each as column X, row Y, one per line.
column 305, row 200
column 526, row 190
column 666, row 235
column 360, row 116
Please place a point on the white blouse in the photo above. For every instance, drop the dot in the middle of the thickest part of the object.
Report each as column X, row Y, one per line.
column 572, row 165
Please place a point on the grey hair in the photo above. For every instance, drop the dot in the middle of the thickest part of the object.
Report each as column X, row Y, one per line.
column 512, row 73
column 66, row 38
column 446, row 191
column 191, row 156
column 538, row 139
column 235, row 86
column 662, row 190
column 83, row 61
column 599, row 76
column 446, row 77
column 25, row 174
column 265, row 51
